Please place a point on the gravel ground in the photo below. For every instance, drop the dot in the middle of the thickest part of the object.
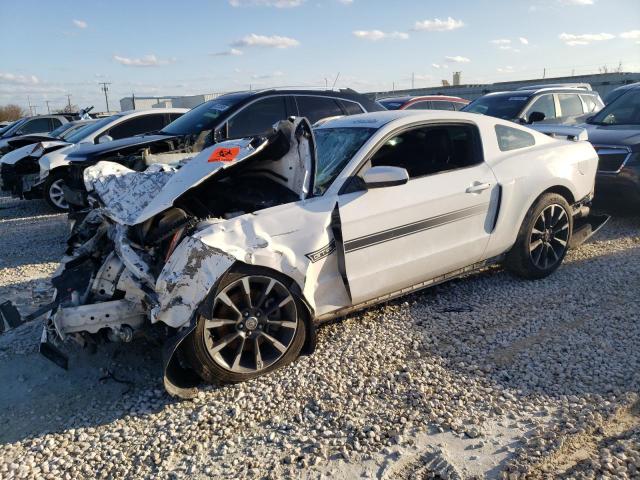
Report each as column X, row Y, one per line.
column 487, row 376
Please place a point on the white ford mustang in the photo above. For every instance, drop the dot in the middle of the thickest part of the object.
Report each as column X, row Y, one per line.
column 247, row 246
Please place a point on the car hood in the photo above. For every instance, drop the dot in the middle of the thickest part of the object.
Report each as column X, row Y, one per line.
column 131, row 197
column 30, row 139
column 90, row 152
column 31, row 150
column 624, row 135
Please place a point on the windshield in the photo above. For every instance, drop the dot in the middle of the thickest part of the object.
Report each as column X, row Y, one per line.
column 335, row 147
column 5, row 128
column 507, row 107
column 75, row 129
column 83, row 133
column 391, row 103
column 13, row 127
column 60, row 130
column 202, row 118
column 624, row 110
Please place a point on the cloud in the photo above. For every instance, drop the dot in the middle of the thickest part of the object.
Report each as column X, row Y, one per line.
column 234, row 52
column 439, row 66
column 457, row 59
column 501, row 41
column 631, row 35
column 18, row 79
column 437, row 25
column 146, row 61
column 266, row 3
column 509, row 48
column 273, row 41
column 346, row 2
column 507, row 69
column 578, row 2
column 80, row 24
column 584, row 39
column 523, row 40
column 374, row 35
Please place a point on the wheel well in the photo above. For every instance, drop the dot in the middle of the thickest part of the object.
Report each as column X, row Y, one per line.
column 563, row 191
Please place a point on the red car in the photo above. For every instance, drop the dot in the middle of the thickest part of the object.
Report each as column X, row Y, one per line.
column 428, row 102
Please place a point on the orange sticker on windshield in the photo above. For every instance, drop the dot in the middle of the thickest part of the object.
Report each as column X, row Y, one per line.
column 224, row 154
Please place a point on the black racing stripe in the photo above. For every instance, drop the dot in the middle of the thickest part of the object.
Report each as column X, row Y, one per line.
column 411, row 228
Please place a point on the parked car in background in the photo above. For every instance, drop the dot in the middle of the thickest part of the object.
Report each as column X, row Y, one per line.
column 539, row 105
column 427, row 102
column 31, row 125
column 243, row 250
column 235, row 115
column 60, row 133
column 42, row 171
column 615, row 134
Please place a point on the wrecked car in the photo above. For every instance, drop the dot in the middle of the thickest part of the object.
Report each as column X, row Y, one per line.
column 241, row 251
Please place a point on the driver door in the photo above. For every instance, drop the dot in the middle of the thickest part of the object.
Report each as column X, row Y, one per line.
column 440, row 220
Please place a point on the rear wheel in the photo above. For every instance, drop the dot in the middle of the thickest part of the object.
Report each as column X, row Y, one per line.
column 257, row 325
column 53, row 193
column 543, row 239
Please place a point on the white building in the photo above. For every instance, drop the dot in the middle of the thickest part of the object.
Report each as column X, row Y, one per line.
column 185, row 101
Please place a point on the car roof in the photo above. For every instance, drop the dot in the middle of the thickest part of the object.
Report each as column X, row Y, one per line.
column 530, row 93
column 379, row 119
column 135, row 113
column 406, row 99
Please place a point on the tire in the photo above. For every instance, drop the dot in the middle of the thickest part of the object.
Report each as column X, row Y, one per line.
column 212, row 348
column 52, row 191
column 543, row 239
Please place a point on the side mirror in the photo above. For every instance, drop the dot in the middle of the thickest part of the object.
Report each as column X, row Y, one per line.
column 105, row 139
column 385, row 176
column 536, row 117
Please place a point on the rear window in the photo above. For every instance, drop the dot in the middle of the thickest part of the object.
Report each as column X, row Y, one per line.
column 513, row 138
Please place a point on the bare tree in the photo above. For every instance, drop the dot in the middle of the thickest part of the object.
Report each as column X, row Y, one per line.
column 11, row 112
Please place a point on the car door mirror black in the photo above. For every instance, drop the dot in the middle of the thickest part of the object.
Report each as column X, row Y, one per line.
column 385, row 176
column 536, row 117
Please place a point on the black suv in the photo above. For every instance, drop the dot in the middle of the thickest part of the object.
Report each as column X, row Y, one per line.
column 615, row 134
column 539, row 105
column 234, row 115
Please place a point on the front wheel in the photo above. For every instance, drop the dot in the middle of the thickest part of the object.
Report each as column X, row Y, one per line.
column 256, row 325
column 53, row 193
column 543, row 239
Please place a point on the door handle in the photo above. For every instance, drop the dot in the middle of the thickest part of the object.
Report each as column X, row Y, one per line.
column 477, row 187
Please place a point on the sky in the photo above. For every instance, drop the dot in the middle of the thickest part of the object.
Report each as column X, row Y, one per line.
column 49, row 49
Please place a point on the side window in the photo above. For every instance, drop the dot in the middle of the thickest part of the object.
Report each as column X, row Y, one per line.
column 430, row 150
column 55, row 123
column 137, row 126
column 459, row 106
column 352, row 108
column 37, row 125
column 513, row 138
column 544, row 104
column 570, row 104
column 317, row 108
column 258, row 118
column 419, row 106
column 441, row 105
column 174, row 116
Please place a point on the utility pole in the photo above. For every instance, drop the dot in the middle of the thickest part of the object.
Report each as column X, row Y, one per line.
column 30, row 108
column 133, row 100
column 413, row 78
column 48, row 109
column 69, row 101
column 544, row 73
column 105, row 89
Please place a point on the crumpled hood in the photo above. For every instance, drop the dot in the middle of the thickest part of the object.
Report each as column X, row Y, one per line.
column 131, row 197
column 624, row 135
column 90, row 152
